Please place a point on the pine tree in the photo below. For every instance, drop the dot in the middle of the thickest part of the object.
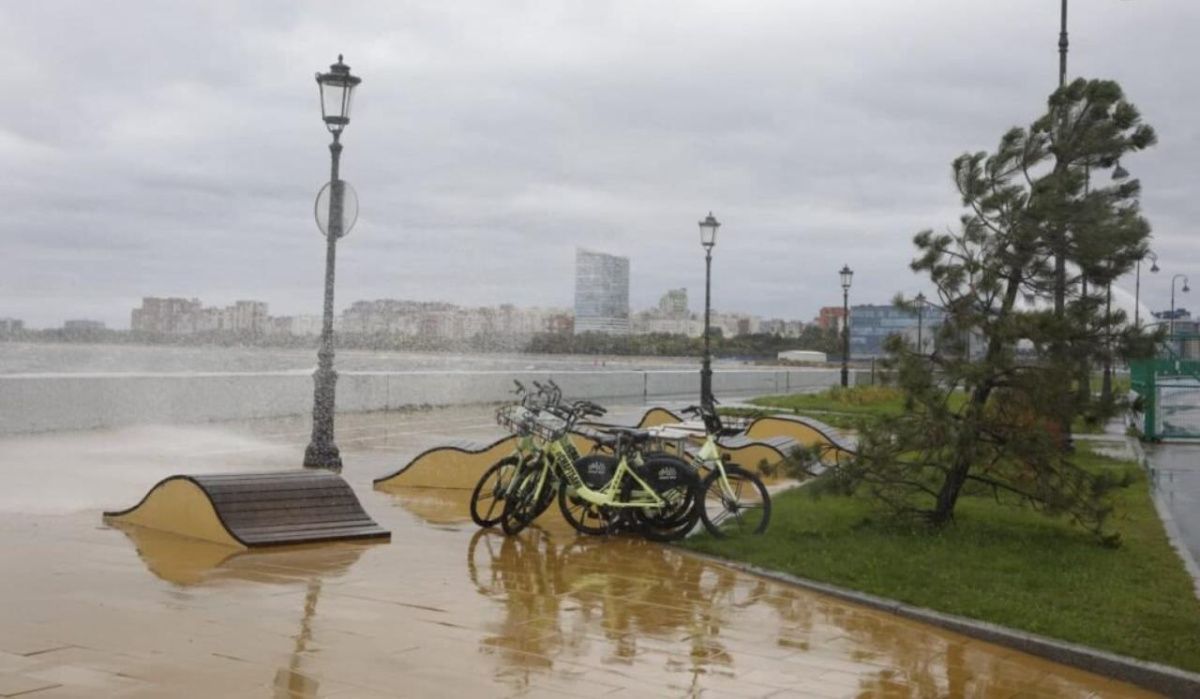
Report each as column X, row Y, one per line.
column 988, row 409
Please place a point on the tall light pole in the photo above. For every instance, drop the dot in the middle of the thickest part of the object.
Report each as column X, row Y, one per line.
column 920, row 317
column 708, row 239
column 1060, row 255
column 1185, row 290
column 847, row 275
column 1137, row 286
column 337, row 90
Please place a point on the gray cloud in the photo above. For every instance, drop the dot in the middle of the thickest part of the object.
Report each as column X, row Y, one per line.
column 157, row 148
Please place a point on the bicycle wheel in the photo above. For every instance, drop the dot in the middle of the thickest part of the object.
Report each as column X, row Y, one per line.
column 520, row 507
column 744, row 509
column 585, row 517
column 676, row 482
column 487, row 499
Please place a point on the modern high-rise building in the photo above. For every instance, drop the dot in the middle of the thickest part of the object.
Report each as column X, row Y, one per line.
column 871, row 324
column 601, row 293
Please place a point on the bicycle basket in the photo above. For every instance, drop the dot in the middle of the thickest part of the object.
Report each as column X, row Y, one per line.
column 548, row 427
column 514, row 418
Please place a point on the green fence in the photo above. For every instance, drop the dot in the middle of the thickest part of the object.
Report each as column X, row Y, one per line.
column 1169, row 386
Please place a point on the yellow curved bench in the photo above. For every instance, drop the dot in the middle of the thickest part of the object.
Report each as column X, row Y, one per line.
column 460, row 464
column 658, row 416
column 456, row 465
column 805, row 432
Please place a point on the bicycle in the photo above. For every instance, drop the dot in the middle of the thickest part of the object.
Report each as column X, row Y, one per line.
column 650, row 492
column 728, row 491
column 656, row 495
column 536, row 481
column 491, row 490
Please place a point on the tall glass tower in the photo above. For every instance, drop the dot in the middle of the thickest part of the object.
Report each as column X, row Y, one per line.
column 601, row 293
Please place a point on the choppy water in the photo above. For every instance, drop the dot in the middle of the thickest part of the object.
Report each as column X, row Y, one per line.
column 30, row 358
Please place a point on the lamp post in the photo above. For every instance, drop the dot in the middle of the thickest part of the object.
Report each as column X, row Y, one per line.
column 1175, row 278
column 847, row 275
column 920, row 317
column 1060, row 260
column 1137, row 286
column 708, row 239
column 337, row 89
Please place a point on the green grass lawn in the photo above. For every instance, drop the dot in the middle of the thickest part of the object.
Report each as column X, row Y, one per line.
column 849, row 408
column 844, row 408
column 996, row 563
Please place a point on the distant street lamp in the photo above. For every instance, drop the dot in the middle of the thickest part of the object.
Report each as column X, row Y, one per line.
column 708, row 239
column 337, row 90
column 1185, row 290
column 920, row 317
column 1137, row 286
column 847, row 275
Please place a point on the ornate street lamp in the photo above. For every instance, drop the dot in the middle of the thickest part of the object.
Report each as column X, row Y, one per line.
column 1185, row 290
column 708, row 239
column 920, row 316
column 1137, row 286
column 337, row 91
column 847, row 275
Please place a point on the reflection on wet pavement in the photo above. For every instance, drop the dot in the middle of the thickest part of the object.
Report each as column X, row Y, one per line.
column 448, row 610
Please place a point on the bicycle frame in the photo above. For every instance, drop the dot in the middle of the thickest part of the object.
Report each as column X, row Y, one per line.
column 549, row 456
column 608, row 496
column 709, row 457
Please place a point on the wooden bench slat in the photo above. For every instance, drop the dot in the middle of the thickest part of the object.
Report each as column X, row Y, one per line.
column 305, row 537
column 307, row 527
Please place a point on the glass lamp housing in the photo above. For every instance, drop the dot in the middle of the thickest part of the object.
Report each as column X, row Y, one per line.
column 337, row 93
column 708, row 231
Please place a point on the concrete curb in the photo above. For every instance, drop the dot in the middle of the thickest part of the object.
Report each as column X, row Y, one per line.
column 1164, row 679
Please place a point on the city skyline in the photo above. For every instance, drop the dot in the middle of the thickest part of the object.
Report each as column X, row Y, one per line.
column 488, row 142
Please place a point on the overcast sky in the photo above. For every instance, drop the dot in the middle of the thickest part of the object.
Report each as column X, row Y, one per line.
column 156, row 148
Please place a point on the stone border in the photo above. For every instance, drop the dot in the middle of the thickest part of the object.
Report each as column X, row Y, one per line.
column 1164, row 679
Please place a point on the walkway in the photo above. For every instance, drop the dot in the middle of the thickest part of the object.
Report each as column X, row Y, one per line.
column 1176, row 469
column 443, row 610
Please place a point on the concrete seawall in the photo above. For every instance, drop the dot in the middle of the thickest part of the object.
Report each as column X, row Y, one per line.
column 48, row 402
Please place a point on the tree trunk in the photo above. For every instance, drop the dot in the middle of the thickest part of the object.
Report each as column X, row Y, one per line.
column 964, row 454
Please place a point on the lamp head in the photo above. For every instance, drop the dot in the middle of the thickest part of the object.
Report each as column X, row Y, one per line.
column 337, row 91
column 847, row 275
column 708, row 231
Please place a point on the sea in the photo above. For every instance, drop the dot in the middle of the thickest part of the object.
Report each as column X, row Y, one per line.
column 40, row 358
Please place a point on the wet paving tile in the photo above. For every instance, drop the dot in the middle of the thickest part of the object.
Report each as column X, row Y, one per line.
column 442, row 610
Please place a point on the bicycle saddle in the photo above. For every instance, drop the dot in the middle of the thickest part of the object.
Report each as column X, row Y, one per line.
column 633, row 434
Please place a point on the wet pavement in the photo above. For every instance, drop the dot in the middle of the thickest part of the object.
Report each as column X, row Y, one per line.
column 1176, row 475
column 443, row 610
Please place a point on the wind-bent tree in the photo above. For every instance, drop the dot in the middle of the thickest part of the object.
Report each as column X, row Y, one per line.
column 988, row 408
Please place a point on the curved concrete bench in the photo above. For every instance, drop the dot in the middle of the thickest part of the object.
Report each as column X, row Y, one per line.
column 248, row 510
column 454, row 465
column 658, row 416
column 805, row 432
column 751, row 454
column 459, row 464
